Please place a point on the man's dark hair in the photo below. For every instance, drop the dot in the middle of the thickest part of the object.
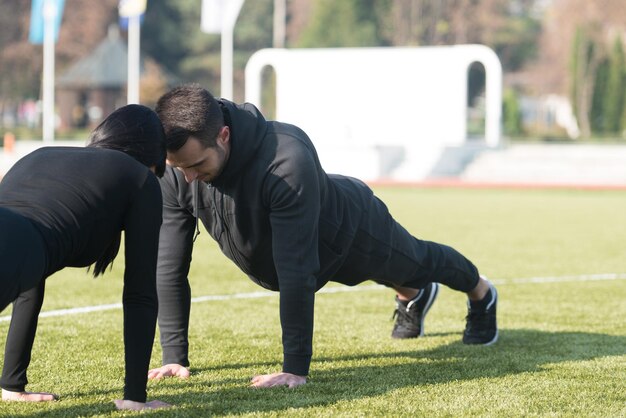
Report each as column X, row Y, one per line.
column 137, row 131
column 190, row 110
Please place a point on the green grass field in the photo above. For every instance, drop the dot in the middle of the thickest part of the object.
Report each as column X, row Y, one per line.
column 562, row 348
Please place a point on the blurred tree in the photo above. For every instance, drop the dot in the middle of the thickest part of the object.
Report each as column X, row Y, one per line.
column 171, row 34
column 597, row 115
column 20, row 61
column 511, row 31
column 607, row 105
column 168, row 31
column 613, row 103
column 414, row 23
column 83, row 26
column 512, row 114
column 553, row 72
column 346, row 23
column 597, row 79
column 254, row 31
column 514, row 40
column 298, row 16
column 153, row 83
column 586, row 58
column 623, row 124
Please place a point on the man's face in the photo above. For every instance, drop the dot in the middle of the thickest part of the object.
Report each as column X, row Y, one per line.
column 199, row 163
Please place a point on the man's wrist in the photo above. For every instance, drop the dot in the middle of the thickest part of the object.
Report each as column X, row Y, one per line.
column 175, row 355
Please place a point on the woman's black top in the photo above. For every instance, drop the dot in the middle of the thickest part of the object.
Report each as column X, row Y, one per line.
column 79, row 199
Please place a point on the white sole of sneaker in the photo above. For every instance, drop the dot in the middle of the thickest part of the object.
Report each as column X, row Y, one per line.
column 429, row 303
column 495, row 339
column 494, row 300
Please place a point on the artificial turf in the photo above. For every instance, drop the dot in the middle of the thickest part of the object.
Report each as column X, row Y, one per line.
column 562, row 347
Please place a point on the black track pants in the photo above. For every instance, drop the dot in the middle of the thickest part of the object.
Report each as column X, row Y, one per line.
column 384, row 251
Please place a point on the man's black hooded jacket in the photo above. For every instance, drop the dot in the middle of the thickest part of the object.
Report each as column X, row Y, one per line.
column 275, row 213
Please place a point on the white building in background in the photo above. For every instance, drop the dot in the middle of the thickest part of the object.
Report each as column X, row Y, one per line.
column 374, row 113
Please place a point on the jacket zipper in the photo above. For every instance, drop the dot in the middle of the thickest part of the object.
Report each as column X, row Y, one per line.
column 225, row 231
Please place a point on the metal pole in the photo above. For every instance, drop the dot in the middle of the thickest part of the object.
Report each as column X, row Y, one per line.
column 49, row 14
column 227, row 63
column 280, row 13
column 219, row 16
column 134, row 32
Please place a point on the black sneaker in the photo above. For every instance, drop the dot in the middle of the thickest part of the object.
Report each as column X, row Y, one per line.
column 482, row 327
column 410, row 315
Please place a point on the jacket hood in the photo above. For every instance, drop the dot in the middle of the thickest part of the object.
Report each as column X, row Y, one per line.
column 247, row 132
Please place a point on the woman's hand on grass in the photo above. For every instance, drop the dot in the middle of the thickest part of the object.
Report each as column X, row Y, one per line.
column 277, row 379
column 138, row 406
column 8, row 395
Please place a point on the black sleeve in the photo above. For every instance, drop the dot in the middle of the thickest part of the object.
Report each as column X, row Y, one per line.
column 295, row 206
column 141, row 228
column 21, row 337
column 175, row 248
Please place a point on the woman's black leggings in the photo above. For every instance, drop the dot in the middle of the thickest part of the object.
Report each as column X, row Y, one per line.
column 22, row 256
column 22, row 269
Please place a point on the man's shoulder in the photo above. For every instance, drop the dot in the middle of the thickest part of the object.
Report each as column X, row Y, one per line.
column 173, row 180
column 290, row 138
column 285, row 130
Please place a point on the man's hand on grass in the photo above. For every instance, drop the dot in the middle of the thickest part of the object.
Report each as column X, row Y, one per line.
column 169, row 370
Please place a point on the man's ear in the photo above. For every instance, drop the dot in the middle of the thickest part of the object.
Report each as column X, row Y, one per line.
column 224, row 135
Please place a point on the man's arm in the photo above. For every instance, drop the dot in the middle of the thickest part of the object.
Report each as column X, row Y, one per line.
column 294, row 195
column 175, row 248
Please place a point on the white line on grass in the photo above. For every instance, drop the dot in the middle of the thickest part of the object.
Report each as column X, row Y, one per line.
column 264, row 294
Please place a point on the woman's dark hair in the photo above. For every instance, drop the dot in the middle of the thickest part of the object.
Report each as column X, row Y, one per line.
column 190, row 110
column 137, row 131
column 107, row 257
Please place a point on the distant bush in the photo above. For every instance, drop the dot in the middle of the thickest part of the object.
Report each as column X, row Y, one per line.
column 512, row 115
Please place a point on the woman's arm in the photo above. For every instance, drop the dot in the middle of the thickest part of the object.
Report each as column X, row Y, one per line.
column 141, row 230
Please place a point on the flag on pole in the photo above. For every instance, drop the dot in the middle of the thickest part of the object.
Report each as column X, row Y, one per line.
column 123, row 21
column 131, row 8
column 219, row 15
column 38, row 13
